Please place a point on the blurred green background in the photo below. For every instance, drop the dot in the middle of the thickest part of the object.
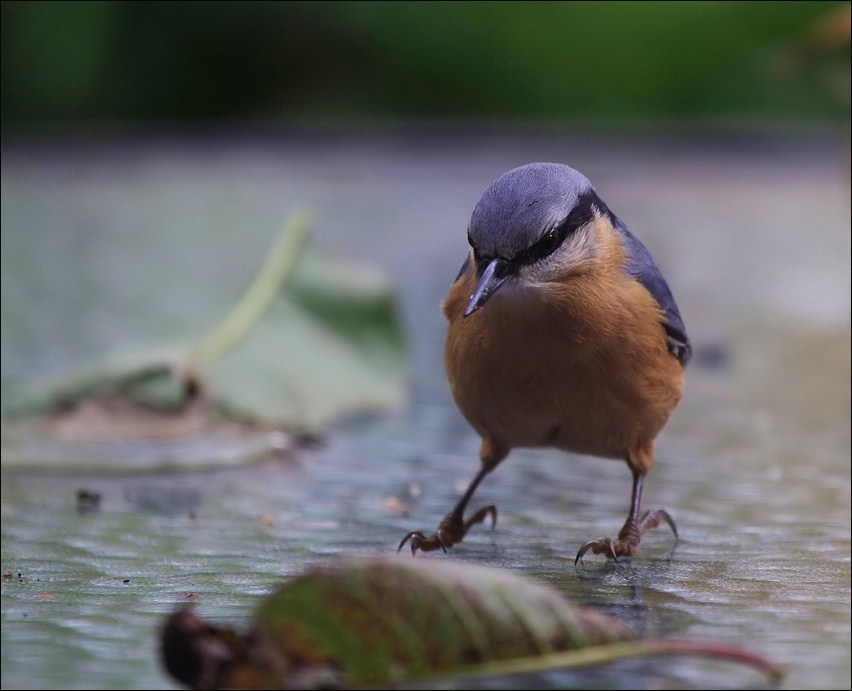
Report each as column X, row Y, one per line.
column 91, row 64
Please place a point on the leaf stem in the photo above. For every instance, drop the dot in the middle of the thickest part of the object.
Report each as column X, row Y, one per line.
column 277, row 269
column 611, row 652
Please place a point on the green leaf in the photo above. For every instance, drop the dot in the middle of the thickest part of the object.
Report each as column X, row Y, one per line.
column 329, row 345
column 313, row 339
column 382, row 620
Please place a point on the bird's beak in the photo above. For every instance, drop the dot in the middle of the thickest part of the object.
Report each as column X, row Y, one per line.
column 494, row 276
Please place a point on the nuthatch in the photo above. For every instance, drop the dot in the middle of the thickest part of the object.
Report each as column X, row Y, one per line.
column 562, row 333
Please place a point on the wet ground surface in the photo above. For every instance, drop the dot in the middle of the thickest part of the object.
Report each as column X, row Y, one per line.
column 754, row 465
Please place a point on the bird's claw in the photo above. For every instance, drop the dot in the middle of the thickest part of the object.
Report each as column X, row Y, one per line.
column 628, row 538
column 599, row 546
column 420, row 541
column 652, row 519
column 451, row 531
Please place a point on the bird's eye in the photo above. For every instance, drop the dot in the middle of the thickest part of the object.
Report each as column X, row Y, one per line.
column 548, row 244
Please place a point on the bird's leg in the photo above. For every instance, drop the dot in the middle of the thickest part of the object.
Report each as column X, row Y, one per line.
column 630, row 535
column 453, row 527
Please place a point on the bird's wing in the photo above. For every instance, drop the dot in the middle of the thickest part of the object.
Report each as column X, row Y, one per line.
column 641, row 266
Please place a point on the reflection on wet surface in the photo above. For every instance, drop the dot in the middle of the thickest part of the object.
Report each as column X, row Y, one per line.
column 754, row 465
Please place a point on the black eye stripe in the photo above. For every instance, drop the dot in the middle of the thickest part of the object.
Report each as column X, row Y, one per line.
column 548, row 243
column 551, row 241
column 478, row 259
column 546, row 246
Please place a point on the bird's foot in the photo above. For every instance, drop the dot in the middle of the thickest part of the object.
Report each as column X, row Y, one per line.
column 627, row 542
column 450, row 531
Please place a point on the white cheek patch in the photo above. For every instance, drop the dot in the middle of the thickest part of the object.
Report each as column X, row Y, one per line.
column 580, row 248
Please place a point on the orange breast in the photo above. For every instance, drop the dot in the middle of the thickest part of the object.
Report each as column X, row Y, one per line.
column 581, row 365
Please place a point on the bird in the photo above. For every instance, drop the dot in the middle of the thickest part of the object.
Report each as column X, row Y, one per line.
column 561, row 333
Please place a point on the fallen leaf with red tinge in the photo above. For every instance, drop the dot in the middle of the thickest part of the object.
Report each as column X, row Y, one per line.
column 381, row 621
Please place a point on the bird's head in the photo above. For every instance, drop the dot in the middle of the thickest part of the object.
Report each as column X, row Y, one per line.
column 533, row 225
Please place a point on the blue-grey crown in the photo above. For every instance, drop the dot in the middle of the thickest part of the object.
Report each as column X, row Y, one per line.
column 523, row 204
